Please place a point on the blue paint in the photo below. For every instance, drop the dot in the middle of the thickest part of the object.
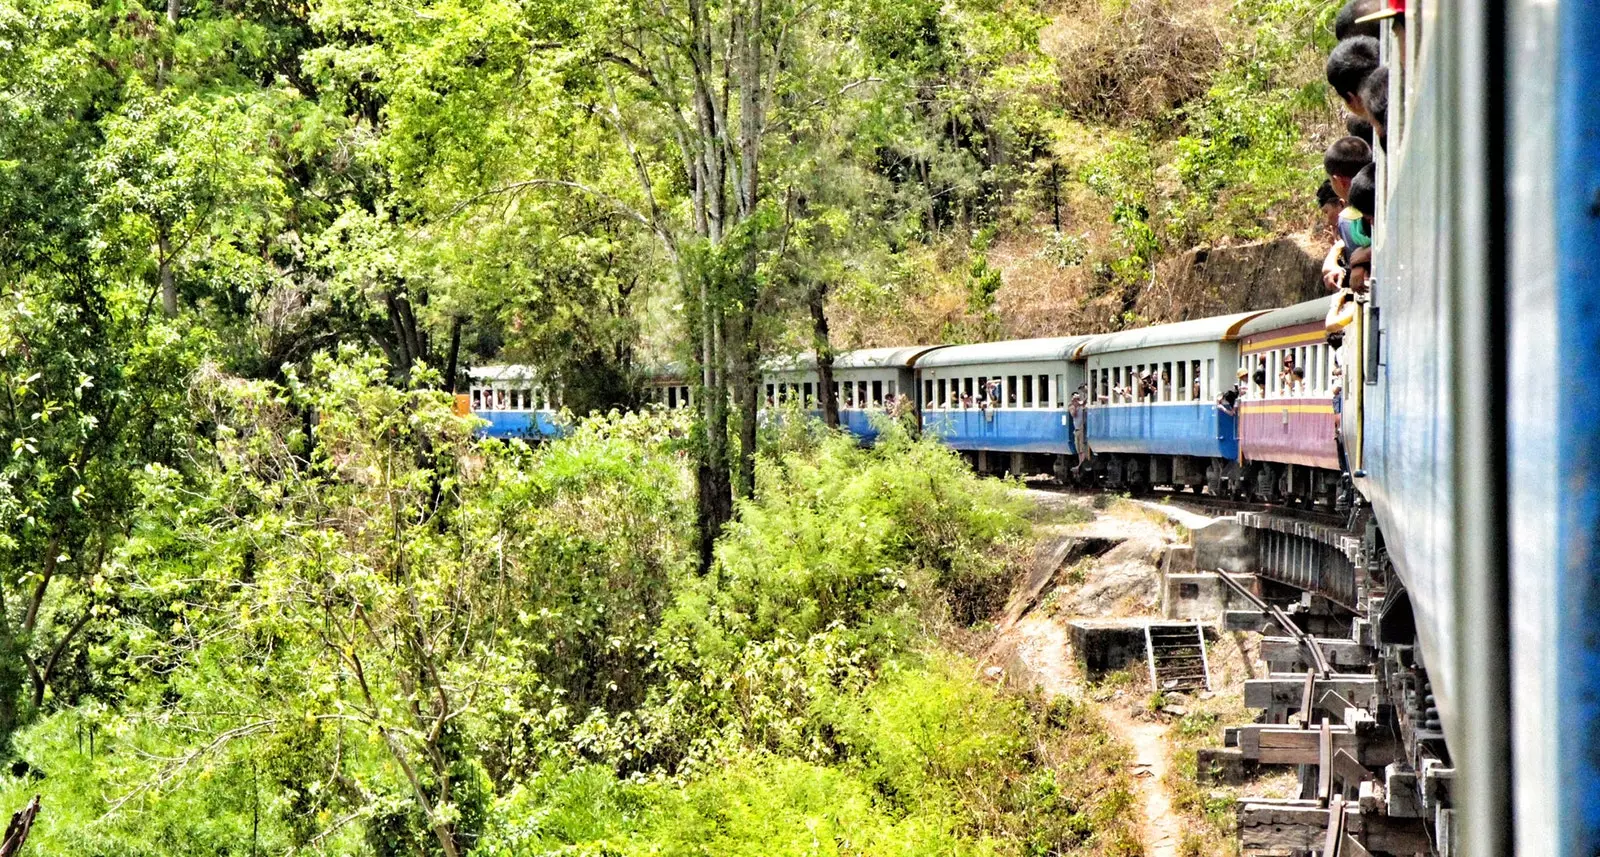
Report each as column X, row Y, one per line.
column 1187, row 428
column 519, row 424
column 858, row 422
column 1576, row 184
column 1002, row 430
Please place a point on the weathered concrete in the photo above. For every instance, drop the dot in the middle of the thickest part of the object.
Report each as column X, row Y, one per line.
column 1108, row 645
column 1224, row 544
column 1197, row 597
column 1222, row 766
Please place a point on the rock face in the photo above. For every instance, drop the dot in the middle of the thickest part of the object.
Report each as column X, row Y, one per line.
column 1221, row 280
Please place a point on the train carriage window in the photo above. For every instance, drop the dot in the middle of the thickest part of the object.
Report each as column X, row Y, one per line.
column 928, row 401
column 1008, row 393
column 861, row 395
column 877, row 394
column 683, row 396
column 1027, row 391
column 527, row 398
column 500, row 399
column 772, row 394
column 1166, row 382
column 1210, row 388
column 810, row 394
column 477, row 399
column 1181, row 382
column 943, row 397
column 889, row 388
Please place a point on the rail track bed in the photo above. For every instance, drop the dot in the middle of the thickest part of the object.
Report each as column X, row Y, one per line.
column 1352, row 710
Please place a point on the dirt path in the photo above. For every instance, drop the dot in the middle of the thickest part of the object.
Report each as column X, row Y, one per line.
column 1162, row 829
column 1040, row 657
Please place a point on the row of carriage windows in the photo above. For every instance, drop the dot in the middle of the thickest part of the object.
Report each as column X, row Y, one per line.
column 506, row 398
column 1168, row 381
column 672, row 396
column 852, row 395
column 1278, row 373
column 999, row 391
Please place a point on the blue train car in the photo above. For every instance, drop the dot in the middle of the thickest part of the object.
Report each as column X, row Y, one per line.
column 1003, row 397
column 514, row 403
column 869, row 382
column 1155, row 389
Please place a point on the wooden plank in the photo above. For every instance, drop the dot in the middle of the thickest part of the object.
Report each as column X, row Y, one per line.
column 1274, row 744
column 1280, row 691
column 1346, row 768
column 1289, row 651
column 1306, row 711
column 1335, row 837
column 1325, row 767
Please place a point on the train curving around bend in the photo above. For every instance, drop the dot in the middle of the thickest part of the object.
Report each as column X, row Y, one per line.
column 1454, row 403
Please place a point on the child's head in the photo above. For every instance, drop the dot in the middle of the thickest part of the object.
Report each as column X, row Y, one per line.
column 1364, row 193
column 1343, row 160
column 1375, row 97
column 1347, row 23
column 1355, row 126
column 1349, row 64
column 1329, row 203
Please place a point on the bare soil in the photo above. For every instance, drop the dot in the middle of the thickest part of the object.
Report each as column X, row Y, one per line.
column 1033, row 650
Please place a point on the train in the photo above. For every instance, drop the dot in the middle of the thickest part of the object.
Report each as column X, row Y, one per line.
column 1153, row 403
column 1454, row 405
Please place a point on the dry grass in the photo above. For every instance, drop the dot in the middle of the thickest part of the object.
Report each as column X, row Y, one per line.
column 1131, row 61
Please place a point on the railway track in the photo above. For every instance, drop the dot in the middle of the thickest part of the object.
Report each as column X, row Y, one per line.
column 1210, row 503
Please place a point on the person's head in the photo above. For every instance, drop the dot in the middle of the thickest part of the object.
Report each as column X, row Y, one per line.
column 1346, row 157
column 1329, row 203
column 1345, row 24
column 1336, row 339
column 1299, row 373
column 1243, row 374
column 1288, row 359
column 1355, row 126
column 1349, row 64
column 1375, row 96
column 1364, row 193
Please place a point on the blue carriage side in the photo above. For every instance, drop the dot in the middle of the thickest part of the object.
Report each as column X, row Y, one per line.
column 514, row 403
column 1154, row 390
column 1002, row 396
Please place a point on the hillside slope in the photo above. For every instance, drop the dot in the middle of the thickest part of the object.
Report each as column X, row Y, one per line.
column 1178, row 180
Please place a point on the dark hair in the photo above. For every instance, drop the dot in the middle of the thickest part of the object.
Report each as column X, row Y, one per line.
column 1346, row 157
column 1375, row 95
column 1326, row 195
column 1336, row 339
column 1260, row 377
column 1299, row 371
column 1355, row 126
column 1350, row 63
column 1364, row 191
column 1344, row 23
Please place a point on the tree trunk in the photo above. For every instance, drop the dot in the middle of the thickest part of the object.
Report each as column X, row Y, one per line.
column 452, row 366
column 169, row 290
column 17, row 831
column 714, row 494
column 822, row 344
